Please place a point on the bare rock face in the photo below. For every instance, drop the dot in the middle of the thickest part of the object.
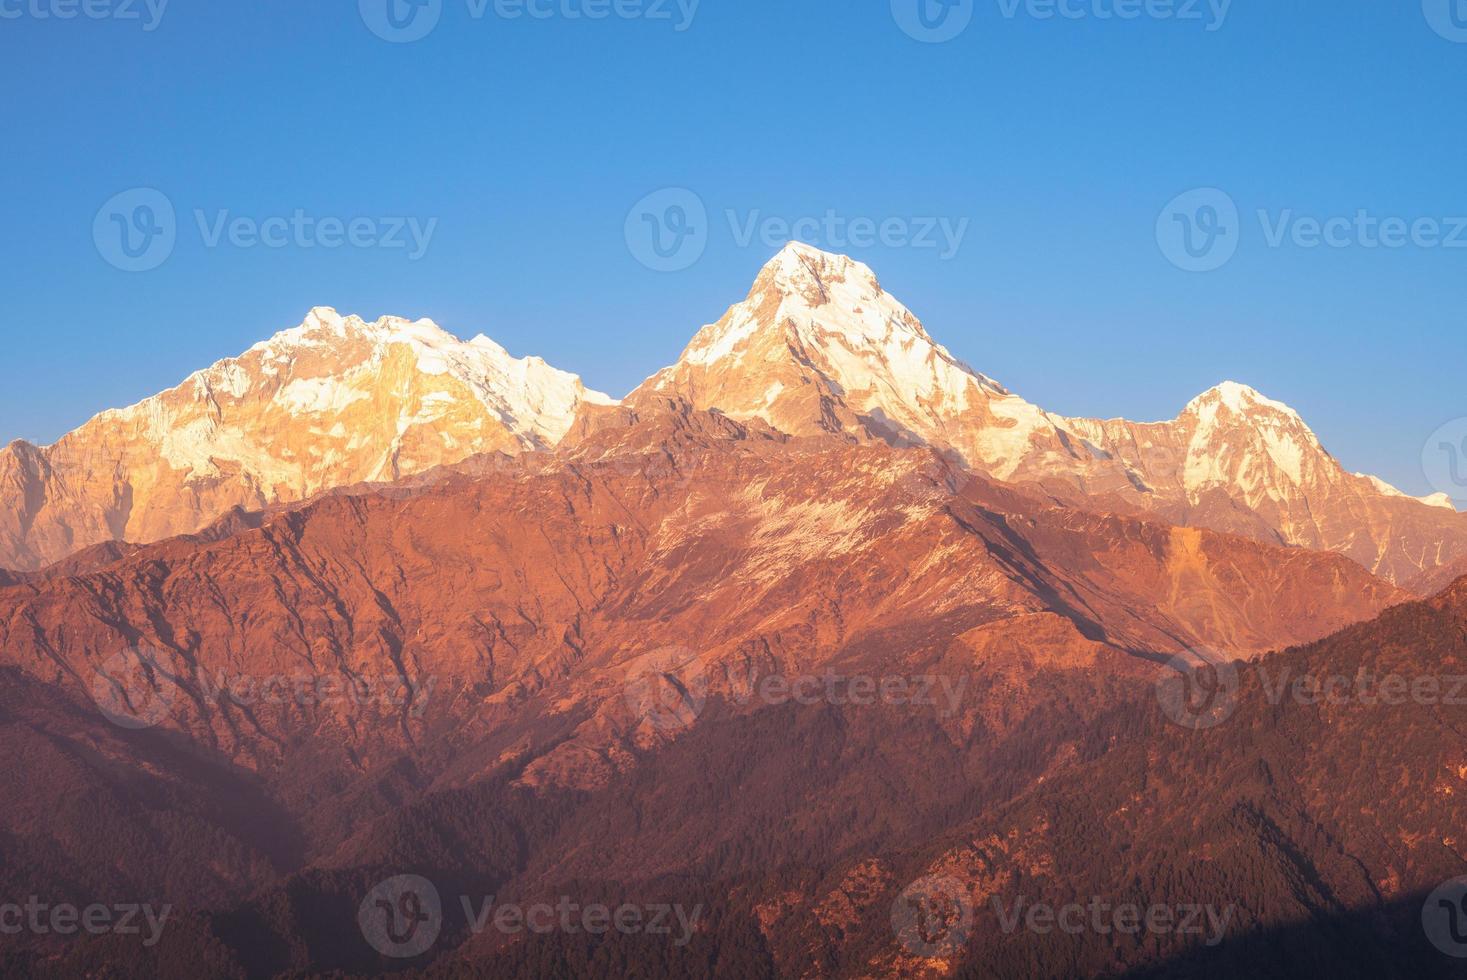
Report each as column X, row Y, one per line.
column 734, row 549
column 334, row 401
column 549, row 674
column 819, row 346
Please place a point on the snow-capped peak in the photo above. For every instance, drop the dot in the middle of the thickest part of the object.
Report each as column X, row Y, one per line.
column 1240, row 398
column 801, row 263
column 1433, row 500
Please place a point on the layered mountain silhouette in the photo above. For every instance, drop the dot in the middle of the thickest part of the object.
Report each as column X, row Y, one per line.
column 581, row 643
column 819, row 633
column 817, row 347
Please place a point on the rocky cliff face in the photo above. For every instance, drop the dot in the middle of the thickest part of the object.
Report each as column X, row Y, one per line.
column 566, row 665
column 555, row 575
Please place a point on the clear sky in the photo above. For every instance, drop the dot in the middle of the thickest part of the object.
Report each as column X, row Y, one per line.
column 1060, row 141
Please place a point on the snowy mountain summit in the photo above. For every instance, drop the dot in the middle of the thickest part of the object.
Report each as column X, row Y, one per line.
column 819, row 346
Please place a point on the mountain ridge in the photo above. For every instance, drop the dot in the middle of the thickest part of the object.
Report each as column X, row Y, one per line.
column 817, row 346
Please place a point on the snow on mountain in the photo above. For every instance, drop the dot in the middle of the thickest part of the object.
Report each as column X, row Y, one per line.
column 334, row 401
column 819, row 346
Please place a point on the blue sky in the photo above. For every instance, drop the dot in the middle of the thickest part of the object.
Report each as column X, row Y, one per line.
column 1056, row 142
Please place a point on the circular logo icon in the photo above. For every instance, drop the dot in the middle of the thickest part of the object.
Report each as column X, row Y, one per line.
column 932, row 21
column 400, row 21
column 1444, row 917
column 1448, row 18
column 1198, row 689
column 667, row 688
column 667, row 230
column 136, row 688
column 1198, row 231
column 135, row 231
column 933, row 917
column 402, row 916
column 1444, row 460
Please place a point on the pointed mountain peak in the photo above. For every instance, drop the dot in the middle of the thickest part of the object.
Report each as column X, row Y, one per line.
column 1239, row 398
column 811, row 273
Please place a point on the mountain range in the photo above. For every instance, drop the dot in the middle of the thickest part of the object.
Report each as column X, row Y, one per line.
column 817, row 346
column 369, row 601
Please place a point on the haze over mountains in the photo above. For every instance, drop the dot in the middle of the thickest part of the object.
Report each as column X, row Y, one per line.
column 817, row 347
